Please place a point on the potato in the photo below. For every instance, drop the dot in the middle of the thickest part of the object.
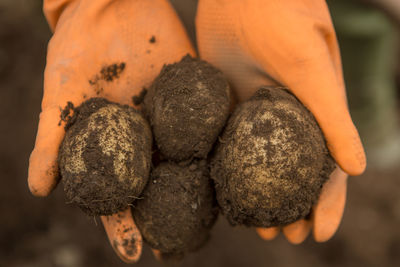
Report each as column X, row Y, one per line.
column 105, row 157
column 177, row 209
column 271, row 161
column 187, row 106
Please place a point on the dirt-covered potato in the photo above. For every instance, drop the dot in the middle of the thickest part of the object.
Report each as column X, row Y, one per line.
column 187, row 106
column 105, row 157
column 271, row 161
column 177, row 208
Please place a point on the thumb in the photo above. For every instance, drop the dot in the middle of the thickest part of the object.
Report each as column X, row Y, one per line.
column 43, row 167
column 310, row 66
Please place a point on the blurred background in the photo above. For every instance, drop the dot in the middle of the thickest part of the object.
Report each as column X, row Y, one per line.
column 47, row 232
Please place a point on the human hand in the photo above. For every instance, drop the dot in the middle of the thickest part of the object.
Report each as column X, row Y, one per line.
column 102, row 48
column 290, row 43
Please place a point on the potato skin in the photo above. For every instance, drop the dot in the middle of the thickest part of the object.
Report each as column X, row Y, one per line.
column 270, row 162
column 177, row 208
column 105, row 157
column 187, row 106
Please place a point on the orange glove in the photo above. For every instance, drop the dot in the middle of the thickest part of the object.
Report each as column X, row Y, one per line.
column 102, row 48
column 291, row 43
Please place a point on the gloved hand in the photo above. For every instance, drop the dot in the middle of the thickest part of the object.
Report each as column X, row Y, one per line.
column 290, row 43
column 108, row 49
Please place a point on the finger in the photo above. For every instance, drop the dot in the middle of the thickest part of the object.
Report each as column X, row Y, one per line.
column 168, row 259
column 43, row 168
column 123, row 235
column 157, row 254
column 298, row 231
column 328, row 212
column 268, row 233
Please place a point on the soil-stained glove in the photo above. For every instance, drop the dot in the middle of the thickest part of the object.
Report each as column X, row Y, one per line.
column 101, row 48
column 291, row 43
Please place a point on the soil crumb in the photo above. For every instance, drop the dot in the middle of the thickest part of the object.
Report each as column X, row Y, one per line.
column 107, row 74
column 138, row 99
column 65, row 114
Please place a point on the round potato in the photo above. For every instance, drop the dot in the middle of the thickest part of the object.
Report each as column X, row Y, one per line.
column 187, row 106
column 105, row 156
column 177, row 208
column 270, row 162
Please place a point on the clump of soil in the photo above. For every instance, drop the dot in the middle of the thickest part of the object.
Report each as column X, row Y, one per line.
column 138, row 99
column 271, row 161
column 177, row 208
column 187, row 106
column 105, row 157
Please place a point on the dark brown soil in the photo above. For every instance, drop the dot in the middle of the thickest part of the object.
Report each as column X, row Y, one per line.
column 138, row 99
column 108, row 73
column 271, row 162
column 105, row 157
column 66, row 112
column 178, row 208
column 187, row 106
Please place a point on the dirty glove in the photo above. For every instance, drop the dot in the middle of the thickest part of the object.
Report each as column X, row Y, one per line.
column 101, row 48
column 290, row 43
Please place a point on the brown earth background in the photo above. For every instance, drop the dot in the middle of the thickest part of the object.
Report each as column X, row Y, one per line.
column 47, row 232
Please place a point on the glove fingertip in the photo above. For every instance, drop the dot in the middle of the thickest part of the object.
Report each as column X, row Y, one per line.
column 328, row 212
column 297, row 232
column 323, row 234
column 351, row 160
column 123, row 235
column 268, row 233
column 42, row 174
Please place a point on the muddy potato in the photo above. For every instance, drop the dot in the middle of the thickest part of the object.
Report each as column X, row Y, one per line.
column 271, row 161
column 187, row 106
column 105, row 157
column 177, row 208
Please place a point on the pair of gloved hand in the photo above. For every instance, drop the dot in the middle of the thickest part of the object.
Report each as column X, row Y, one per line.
column 254, row 42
